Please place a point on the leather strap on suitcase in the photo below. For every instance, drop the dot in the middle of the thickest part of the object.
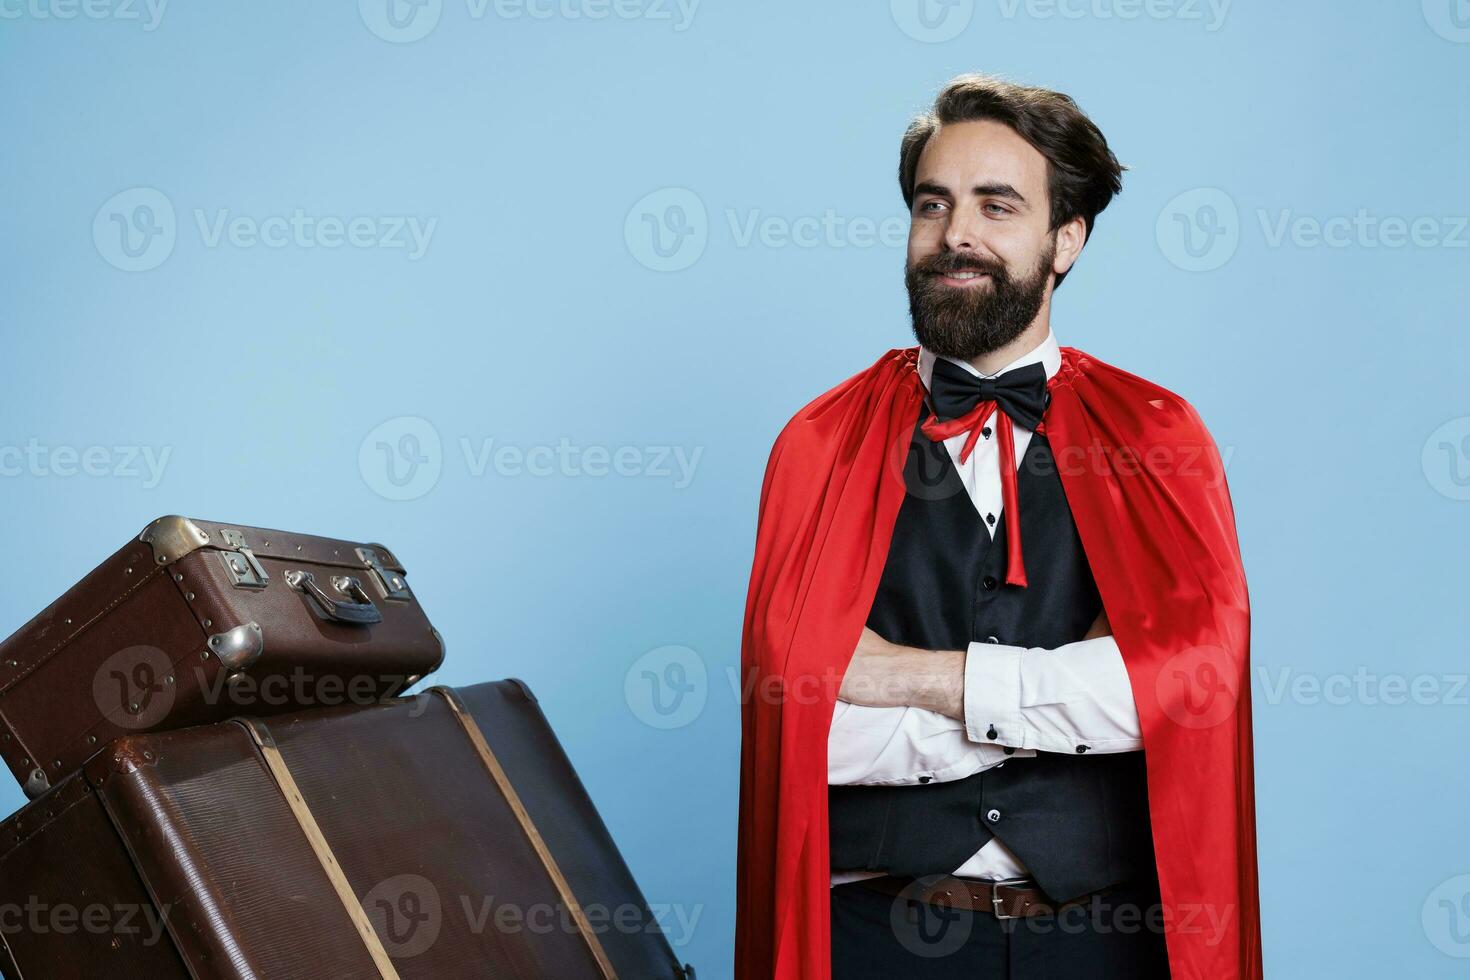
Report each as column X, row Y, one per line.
column 497, row 773
column 281, row 773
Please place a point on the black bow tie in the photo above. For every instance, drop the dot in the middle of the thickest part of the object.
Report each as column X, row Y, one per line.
column 1019, row 392
column 964, row 403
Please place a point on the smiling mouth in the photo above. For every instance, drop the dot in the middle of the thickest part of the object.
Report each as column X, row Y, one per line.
column 964, row 277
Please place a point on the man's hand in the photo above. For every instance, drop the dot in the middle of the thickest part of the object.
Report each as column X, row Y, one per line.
column 886, row 675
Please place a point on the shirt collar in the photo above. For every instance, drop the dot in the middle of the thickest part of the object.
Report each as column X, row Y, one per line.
column 1047, row 353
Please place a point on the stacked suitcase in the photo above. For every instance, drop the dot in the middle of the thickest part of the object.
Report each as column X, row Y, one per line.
column 227, row 782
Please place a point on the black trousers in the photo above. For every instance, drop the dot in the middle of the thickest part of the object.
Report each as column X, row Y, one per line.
column 1118, row 934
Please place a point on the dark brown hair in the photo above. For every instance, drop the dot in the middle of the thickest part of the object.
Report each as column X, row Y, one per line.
column 1082, row 173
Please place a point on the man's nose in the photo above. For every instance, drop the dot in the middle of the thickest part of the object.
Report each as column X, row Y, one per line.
column 963, row 232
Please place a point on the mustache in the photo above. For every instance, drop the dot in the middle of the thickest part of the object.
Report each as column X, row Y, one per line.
column 949, row 263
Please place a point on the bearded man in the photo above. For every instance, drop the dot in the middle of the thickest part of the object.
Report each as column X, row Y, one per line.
column 996, row 638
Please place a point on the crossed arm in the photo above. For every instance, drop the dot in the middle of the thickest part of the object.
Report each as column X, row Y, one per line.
column 909, row 715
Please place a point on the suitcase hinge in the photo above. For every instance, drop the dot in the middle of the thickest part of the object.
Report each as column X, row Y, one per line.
column 390, row 583
column 241, row 565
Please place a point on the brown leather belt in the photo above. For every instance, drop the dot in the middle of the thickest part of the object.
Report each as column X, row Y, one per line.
column 1010, row 899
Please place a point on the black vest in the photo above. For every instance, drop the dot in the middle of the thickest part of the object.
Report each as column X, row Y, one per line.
column 1078, row 822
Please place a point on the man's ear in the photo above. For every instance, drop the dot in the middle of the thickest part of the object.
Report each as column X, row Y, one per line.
column 1070, row 238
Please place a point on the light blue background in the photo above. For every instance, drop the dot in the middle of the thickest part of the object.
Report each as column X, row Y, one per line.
column 1331, row 375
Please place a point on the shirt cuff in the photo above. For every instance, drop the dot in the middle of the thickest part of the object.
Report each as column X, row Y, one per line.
column 993, row 694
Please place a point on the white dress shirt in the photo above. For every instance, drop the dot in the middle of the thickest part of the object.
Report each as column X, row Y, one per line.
column 1036, row 699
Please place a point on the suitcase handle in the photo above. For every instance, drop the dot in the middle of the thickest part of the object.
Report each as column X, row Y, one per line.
column 361, row 612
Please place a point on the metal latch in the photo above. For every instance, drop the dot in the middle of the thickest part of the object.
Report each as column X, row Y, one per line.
column 241, row 565
column 390, row 583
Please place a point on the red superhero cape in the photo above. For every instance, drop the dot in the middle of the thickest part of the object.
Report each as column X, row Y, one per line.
column 1147, row 490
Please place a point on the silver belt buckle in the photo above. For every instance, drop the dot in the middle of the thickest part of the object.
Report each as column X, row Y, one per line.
column 995, row 900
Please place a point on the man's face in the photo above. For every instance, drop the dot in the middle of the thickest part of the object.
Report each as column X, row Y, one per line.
column 980, row 254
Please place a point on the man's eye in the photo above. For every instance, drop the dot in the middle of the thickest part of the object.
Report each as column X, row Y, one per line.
column 997, row 208
column 937, row 205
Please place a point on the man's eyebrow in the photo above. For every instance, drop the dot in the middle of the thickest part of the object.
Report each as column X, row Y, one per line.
column 979, row 190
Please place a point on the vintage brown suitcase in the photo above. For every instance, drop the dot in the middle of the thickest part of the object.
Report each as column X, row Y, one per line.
column 442, row 835
column 194, row 622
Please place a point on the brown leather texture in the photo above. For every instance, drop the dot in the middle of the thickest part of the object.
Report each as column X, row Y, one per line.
column 511, row 720
column 193, row 821
column 127, row 649
column 211, row 834
column 74, row 906
column 443, row 859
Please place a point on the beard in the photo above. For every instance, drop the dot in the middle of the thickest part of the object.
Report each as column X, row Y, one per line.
column 966, row 322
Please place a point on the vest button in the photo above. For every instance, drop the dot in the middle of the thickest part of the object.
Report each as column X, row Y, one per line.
column 992, row 815
column 1081, row 749
column 991, row 733
column 992, row 639
column 925, row 779
column 1009, row 750
column 985, row 432
column 989, row 582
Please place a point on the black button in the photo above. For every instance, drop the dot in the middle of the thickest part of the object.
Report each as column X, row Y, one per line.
column 1081, row 749
column 991, row 732
column 989, row 582
column 990, row 519
column 985, row 432
column 925, row 779
column 1009, row 750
